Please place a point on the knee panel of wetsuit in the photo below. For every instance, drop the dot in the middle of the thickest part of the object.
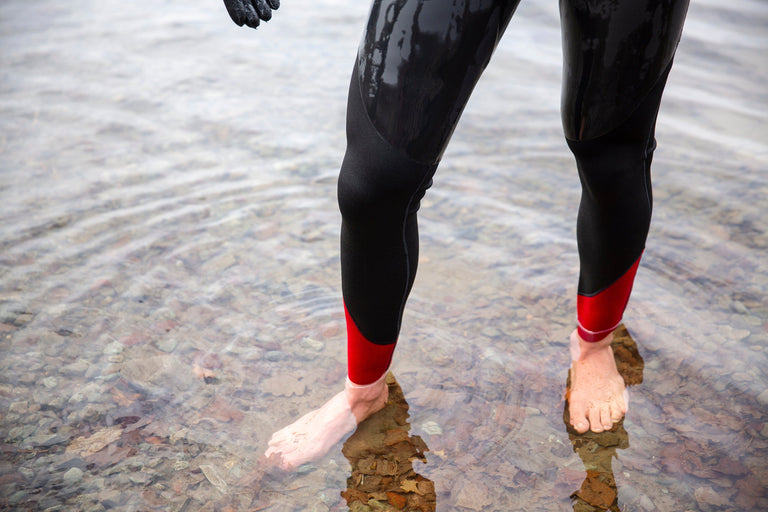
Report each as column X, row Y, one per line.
column 615, row 210
column 378, row 183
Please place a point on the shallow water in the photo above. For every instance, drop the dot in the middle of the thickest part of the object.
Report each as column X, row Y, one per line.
column 169, row 290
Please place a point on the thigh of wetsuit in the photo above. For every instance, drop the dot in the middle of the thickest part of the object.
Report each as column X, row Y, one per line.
column 418, row 63
column 614, row 53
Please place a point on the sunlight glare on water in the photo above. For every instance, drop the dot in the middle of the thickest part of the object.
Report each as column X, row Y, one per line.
column 169, row 277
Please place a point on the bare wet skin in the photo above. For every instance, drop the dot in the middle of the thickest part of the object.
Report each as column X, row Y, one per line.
column 597, row 396
column 315, row 433
column 597, row 399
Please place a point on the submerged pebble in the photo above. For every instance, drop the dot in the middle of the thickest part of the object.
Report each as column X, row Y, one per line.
column 73, row 476
column 431, row 428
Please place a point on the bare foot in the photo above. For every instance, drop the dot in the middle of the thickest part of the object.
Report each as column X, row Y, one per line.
column 597, row 397
column 311, row 436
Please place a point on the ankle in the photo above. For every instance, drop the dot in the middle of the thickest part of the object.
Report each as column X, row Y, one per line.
column 366, row 399
column 580, row 348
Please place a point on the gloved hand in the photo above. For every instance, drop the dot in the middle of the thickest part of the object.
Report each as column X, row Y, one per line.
column 248, row 12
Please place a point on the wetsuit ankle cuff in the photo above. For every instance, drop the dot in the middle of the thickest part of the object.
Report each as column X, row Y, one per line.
column 594, row 336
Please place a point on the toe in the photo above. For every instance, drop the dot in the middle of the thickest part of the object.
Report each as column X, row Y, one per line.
column 581, row 426
column 606, row 418
column 277, row 438
column 617, row 413
column 594, row 420
column 578, row 419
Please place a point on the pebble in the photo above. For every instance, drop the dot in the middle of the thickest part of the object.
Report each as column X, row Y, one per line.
column 42, row 441
column 762, row 398
column 179, row 434
column 357, row 506
column 167, row 344
column 75, row 369
column 113, row 348
column 432, row 428
column 739, row 307
column 214, row 477
column 275, row 356
column 311, row 344
column 27, row 378
column 706, row 496
column 22, row 318
column 110, row 497
column 17, row 497
column 73, row 476
column 76, row 397
column 646, row 503
column 140, row 478
column 318, row 507
column 158, row 373
column 50, row 382
column 180, row 465
column 18, row 407
column 283, row 385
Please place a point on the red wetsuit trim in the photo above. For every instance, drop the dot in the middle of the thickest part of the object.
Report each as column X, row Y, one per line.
column 366, row 361
column 601, row 313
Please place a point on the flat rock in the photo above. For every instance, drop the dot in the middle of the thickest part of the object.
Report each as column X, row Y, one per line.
column 73, row 476
column 284, row 385
column 160, row 372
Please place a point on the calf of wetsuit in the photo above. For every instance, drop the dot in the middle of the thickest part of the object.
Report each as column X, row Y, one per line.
column 614, row 214
column 416, row 68
column 616, row 59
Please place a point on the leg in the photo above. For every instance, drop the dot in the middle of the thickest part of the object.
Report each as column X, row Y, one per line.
column 617, row 62
column 416, row 68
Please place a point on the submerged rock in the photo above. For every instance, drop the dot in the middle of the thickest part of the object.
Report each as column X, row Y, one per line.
column 73, row 476
column 158, row 373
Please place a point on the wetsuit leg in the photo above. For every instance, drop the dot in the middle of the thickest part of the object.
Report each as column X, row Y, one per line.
column 617, row 59
column 417, row 65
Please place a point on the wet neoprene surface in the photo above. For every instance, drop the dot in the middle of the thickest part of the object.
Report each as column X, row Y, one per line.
column 417, row 66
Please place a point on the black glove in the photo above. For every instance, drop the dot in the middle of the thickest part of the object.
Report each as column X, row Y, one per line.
column 248, row 12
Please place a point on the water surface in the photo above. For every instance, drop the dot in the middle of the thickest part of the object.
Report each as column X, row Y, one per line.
column 169, row 290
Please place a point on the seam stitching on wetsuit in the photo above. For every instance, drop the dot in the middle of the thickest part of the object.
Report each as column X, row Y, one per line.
column 593, row 294
column 651, row 129
column 427, row 175
column 380, row 135
column 405, row 247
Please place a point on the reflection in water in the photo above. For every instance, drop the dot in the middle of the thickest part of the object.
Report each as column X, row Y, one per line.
column 381, row 453
column 596, row 450
column 598, row 492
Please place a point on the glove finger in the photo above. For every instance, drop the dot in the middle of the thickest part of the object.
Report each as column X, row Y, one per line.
column 275, row 4
column 251, row 16
column 235, row 12
column 263, row 9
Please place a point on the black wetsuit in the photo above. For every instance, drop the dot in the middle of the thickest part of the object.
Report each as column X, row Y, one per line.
column 416, row 68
